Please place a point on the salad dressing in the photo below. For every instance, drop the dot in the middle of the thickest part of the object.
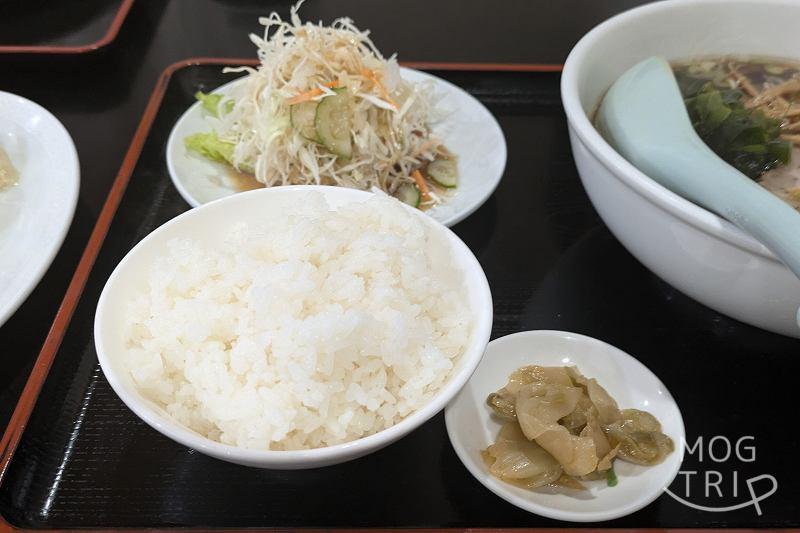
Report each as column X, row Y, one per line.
column 241, row 181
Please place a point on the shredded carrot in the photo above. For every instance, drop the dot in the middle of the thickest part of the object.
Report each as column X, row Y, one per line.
column 372, row 76
column 313, row 93
column 421, row 185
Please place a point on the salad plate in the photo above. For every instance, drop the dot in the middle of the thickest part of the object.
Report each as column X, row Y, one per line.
column 468, row 129
column 36, row 211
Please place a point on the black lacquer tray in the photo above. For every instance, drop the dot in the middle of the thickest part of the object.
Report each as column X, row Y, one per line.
column 74, row 456
column 60, row 27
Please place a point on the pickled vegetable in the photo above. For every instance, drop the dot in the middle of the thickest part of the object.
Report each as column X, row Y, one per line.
column 637, row 420
column 562, row 428
column 640, row 447
column 503, row 403
column 514, row 458
column 606, row 406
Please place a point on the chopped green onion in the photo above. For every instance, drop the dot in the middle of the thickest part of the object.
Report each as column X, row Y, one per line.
column 611, row 477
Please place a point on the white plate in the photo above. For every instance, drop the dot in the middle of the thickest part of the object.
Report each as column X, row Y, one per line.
column 36, row 213
column 469, row 130
column 472, row 429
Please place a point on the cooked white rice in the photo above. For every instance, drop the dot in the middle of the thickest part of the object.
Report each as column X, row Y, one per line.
column 315, row 328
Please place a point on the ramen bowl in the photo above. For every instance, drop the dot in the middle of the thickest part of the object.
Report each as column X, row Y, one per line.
column 693, row 249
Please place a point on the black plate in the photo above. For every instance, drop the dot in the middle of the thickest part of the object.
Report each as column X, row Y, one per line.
column 86, row 461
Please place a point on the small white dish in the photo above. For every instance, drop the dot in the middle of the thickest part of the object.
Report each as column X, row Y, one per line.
column 211, row 222
column 469, row 130
column 36, row 213
column 472, row 428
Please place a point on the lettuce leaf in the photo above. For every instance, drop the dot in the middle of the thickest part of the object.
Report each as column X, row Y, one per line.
column 211, row 147
column 211, row 103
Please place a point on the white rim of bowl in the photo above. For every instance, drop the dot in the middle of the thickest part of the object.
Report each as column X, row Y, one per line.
column 189, row 438
column 623, row 170
column 72, row 201
column 549, row 512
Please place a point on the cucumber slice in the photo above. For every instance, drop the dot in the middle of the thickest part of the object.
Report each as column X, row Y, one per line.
column 408, row 194
column 302, row 117
column 333, row 122
column 444, row 172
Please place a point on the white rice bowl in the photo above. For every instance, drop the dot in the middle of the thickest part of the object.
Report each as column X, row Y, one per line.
column 311, row 329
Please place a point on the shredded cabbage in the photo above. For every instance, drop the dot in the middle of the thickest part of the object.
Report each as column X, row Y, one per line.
column 390, row 134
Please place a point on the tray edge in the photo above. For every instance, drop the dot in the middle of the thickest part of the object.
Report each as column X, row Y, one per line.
column 105, row 40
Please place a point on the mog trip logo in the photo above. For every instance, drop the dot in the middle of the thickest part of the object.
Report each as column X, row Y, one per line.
column 721, row 479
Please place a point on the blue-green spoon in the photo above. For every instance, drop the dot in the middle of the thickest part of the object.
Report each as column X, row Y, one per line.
column 643, row 116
